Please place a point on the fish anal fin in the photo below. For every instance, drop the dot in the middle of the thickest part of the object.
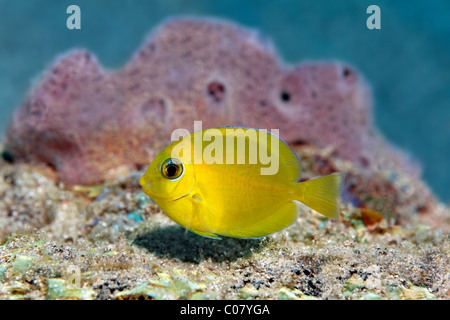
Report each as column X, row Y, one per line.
column 278, row 220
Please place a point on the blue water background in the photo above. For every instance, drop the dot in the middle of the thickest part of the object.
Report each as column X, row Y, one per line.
column 407, row 61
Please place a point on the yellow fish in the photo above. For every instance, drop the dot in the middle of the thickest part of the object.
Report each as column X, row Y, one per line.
column 213, row 183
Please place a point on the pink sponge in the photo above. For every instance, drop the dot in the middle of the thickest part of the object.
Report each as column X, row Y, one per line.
column 86, row 121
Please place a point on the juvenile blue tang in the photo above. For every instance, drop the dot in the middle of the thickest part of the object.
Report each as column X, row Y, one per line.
column 232, row 196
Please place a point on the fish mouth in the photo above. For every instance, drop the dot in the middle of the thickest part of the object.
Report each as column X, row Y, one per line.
column 148, row 191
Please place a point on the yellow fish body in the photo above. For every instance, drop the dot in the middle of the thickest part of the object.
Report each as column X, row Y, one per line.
column 215, row 191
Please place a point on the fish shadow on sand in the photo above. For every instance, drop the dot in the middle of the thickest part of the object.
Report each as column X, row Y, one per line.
column 178, row 243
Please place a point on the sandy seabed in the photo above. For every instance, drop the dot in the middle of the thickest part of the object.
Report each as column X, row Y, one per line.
column 112, row 242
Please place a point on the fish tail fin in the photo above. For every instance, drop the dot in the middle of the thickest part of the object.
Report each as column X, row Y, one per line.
column 322, row 194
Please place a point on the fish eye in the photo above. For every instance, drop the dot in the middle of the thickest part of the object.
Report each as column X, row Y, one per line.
column 172, row 169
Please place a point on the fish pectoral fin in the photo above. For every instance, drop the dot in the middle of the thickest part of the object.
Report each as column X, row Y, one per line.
column 276, row 221
column 197, row 197
column 207, row 234
column 200, row 210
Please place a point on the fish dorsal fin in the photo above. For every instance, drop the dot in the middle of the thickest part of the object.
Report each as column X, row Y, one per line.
column 269, row 145
column 290, row 166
